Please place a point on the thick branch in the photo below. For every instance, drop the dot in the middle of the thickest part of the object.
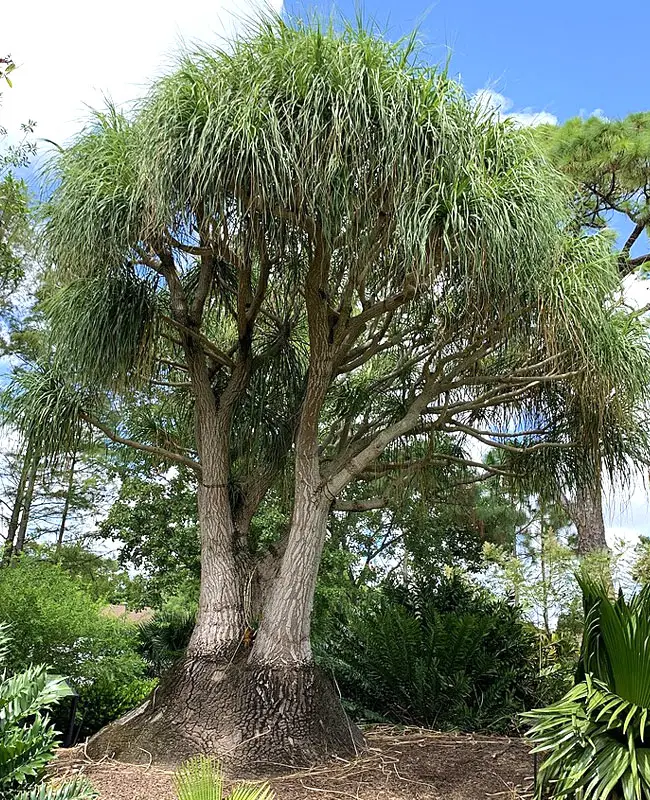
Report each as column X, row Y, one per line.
column 371, row 504
column 168, row 455
column 210, row 349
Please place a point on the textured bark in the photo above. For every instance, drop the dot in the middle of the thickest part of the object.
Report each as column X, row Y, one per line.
column 283, row 635
column 258, row 721
column 220, row 621
column 586, row 513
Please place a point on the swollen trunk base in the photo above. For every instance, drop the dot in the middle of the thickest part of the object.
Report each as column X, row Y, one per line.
column 258, row 721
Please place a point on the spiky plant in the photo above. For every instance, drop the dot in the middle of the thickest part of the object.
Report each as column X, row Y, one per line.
column 596, row 739
column 201, row 778
column 27, row 737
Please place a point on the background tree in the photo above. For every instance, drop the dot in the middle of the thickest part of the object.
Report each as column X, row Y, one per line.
column 608, row 162
column 318, row 252
column 15, row 227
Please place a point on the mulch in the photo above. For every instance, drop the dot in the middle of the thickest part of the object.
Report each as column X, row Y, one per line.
column 404, row 763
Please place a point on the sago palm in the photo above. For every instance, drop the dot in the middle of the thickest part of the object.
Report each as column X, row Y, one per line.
column 596, row 739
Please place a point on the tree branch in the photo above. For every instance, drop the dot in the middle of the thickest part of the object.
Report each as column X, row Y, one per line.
column 145, row 448
column 371, row 504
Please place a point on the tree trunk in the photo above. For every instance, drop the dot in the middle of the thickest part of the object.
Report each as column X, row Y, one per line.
column 283, row 636
column 66, row 506
column 257, row 721
column 260, row 705
column 220, row 621
column 262, row 710
column 27, row 506
column 15, row 511
column 587, row 515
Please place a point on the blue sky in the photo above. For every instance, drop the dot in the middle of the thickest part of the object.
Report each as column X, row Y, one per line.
column 559, row 56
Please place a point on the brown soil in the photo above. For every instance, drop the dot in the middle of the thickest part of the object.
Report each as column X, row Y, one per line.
column 409, row 764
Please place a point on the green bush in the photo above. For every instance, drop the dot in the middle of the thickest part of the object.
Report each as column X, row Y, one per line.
column 449, row 656
column 54, row 620
column 107, row 699
column 595, row 739
column 164, row 639
column 27, row 735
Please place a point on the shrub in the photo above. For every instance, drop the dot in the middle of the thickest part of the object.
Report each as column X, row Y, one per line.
column 27, row 735
column 109, row 698
column 595, row 738
column 54, row 620
column 163, row 640
column 449, row 656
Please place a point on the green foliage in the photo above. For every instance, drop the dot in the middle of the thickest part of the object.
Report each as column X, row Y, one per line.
column 594, row 738
column 16, row 237
column 447, row 655
column 77, row 789
column 201, row 778
column 408, row 181
column 27, row 736
column 100, row 576
column 15, row 232
column 609, row 160
column 56, row 621
column 155, row 521
column 108, row 698
column 163, row 639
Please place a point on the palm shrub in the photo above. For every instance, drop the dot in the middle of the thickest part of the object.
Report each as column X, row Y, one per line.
column 201, row 778
column 596, row 738
column 27, row 736
column 448, row 655
column 164, row 639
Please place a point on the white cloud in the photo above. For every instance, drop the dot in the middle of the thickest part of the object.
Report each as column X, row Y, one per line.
column 495, row 103
column 72, row 53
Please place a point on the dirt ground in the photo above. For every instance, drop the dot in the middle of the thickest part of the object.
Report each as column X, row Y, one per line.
column 409, row 764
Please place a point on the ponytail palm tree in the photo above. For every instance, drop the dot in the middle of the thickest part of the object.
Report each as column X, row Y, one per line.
column 318, row 254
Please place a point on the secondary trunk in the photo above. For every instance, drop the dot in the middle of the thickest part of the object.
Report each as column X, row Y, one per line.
column 587, row 515
column 21, row 534
column 15, row 511
column 283, row 635
column 66, row 505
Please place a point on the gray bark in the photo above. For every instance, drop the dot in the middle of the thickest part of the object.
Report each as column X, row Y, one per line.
column 21, row 533
column 586, row 512
column 220, row 620
column 15, row 511
column 283, row 637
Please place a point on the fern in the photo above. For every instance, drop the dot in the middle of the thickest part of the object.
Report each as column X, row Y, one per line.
column 201, row 778
column 447, row 656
